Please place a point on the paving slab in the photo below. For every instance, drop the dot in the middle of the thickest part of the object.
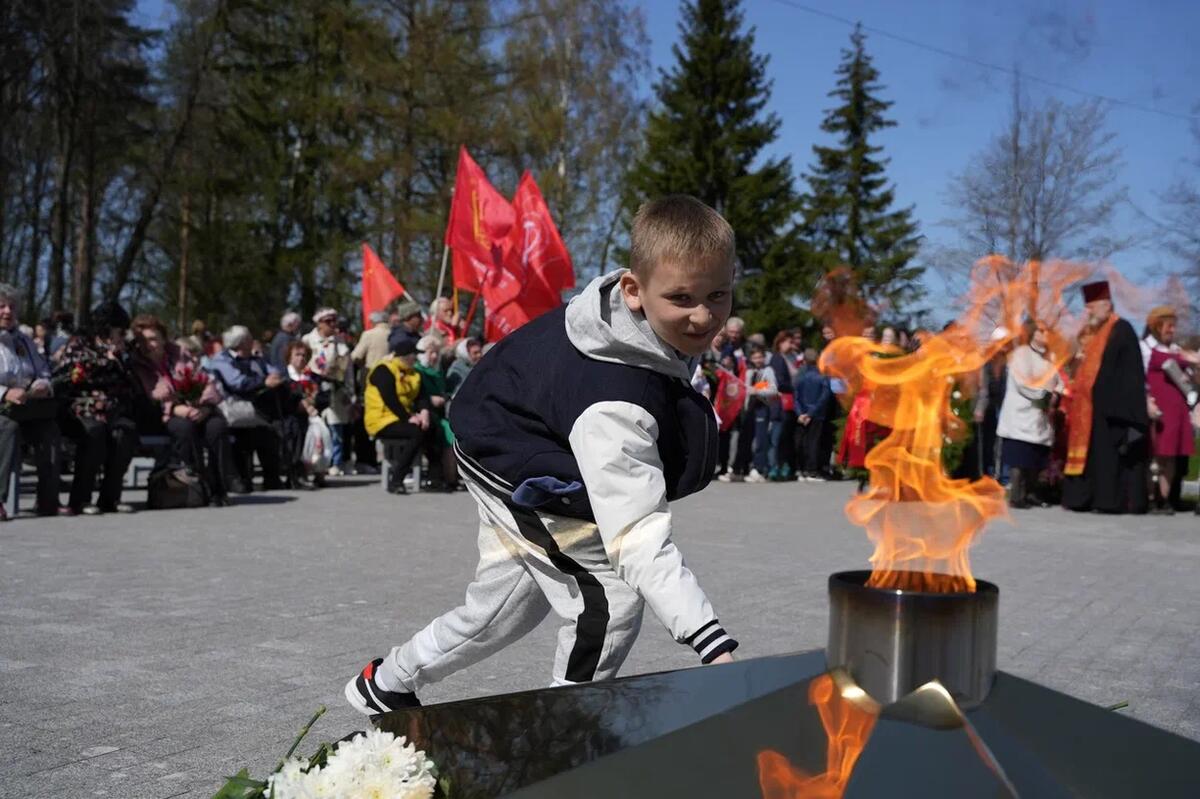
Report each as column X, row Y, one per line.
column 145, row 656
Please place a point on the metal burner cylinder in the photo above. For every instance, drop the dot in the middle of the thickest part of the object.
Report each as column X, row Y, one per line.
column 893, row 641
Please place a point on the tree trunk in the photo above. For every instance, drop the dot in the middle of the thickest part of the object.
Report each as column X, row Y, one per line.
column 184, row 231
column 59, row 224
column 35, row 245
column 80, row 274
column 149, row 205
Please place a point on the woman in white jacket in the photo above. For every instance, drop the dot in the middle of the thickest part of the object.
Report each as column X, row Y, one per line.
column 1025, row 427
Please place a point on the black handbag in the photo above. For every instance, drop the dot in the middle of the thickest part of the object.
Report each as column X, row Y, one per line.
column 176, row 488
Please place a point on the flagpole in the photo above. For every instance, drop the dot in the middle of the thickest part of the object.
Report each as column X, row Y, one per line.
column 442, row 276
column 445, row 251
column 471, row 313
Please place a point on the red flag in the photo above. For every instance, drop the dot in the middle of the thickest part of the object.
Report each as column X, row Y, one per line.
column 730, row 399
column 379, row 287
column 534, row 272
column 536, row 241
column 480, row 218
column 468, row 272
column 511, row 299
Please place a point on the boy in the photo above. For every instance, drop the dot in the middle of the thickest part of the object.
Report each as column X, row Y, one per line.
column 572, row 435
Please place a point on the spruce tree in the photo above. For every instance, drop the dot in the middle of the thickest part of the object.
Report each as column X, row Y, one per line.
column 848, row 211
column 706, row 138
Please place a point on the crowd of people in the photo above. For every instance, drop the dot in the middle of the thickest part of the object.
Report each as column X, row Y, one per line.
column 84, row 400
column 1110, row 429
column 1107, row 425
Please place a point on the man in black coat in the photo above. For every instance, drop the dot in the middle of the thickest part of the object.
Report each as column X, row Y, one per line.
column 1108, row 428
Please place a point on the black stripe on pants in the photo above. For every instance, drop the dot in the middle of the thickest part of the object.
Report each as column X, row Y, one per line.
column 592, row 622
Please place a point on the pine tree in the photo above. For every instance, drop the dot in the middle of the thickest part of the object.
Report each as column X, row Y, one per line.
column 706, row 139
column 848, row 211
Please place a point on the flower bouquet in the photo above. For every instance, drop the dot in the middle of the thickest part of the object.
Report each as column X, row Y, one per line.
column 189, row 383
column 365, row 764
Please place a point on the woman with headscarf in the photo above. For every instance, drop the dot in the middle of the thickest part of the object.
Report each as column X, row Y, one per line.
column 1170, row 388
column 94, row 376
column 1023, row 425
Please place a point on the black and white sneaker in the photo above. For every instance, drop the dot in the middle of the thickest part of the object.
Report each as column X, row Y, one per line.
column 365, row 695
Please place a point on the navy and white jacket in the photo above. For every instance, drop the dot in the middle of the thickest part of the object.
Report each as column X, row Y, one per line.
column 585, row 412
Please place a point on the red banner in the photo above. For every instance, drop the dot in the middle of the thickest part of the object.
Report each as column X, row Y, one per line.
column 480, row 218
column 536, row 242
column 379, row 287
column 468, row 272
column 510, row 254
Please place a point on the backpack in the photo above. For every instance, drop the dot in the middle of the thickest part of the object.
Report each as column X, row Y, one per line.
column 176, row 488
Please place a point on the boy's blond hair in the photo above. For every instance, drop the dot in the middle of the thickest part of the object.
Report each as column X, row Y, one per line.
column 681, row 229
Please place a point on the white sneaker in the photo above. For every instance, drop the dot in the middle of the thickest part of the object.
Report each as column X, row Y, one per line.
column 755, row 477
column 725, row 477
column 334, row 471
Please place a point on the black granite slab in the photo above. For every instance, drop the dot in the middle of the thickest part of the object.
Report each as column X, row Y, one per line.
column 701, row 732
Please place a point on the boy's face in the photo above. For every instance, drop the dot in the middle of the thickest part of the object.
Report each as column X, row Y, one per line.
column 758, row 359
column 685, row 306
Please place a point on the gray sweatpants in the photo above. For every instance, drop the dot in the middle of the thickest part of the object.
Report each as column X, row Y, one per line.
column 529, row 563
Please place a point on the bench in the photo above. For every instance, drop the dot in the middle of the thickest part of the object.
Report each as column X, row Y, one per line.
column 385, row 467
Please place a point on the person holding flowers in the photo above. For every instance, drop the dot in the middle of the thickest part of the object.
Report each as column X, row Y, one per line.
column 93, row 375
column 184, row 402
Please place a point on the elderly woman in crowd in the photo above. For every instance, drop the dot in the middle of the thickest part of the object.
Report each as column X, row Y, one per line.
column 395, row 412
column 301, row 405
column 1172, row 394
column 467, row 353
column 27, row 409
column 330, row 365
column 251, row 406
column 95, row 377
column 185, row 401
column 440, row 444
column 1024, row 426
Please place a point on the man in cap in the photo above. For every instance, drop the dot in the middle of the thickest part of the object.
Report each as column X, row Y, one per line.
column 409, row 328
column 1108, row 424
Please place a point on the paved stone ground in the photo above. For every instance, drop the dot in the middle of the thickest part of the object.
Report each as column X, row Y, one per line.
column 145, row 656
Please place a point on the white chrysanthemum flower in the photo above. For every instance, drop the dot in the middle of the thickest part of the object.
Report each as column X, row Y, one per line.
column 377, row 765
column 289, row 780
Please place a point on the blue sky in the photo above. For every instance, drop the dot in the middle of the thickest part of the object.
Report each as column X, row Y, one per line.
column 947, row 109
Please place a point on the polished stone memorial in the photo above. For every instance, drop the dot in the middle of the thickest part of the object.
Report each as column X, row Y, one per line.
column 778, row 727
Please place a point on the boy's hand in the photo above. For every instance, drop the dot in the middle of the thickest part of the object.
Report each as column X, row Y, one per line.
column 724, row 657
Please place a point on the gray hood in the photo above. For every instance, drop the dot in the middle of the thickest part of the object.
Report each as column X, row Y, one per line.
column 601, row 326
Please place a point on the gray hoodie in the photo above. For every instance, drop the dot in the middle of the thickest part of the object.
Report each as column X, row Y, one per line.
column 601, row 326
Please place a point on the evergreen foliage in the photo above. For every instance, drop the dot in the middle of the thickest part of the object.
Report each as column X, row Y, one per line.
column 848, row 209
column 708, row 138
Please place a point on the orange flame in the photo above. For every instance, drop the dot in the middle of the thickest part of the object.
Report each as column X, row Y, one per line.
column 847, row 728
column 921, row 521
